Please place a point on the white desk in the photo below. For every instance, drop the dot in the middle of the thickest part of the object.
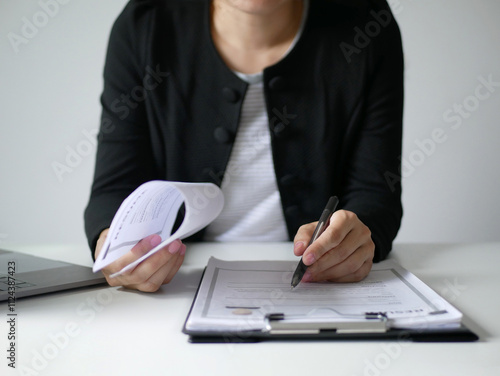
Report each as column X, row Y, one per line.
column 116, row 332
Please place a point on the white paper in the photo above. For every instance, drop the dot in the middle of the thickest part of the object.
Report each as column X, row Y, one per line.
column 237, row 296
column 152, row 209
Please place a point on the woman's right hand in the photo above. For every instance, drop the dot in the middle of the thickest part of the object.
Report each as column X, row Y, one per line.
column 151, row 273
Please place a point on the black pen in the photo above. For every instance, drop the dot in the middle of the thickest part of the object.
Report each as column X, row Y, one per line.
column 321, row 226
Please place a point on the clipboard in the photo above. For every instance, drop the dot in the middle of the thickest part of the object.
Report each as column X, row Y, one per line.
column 375, row 327
column 461, row 334
column 280, row 326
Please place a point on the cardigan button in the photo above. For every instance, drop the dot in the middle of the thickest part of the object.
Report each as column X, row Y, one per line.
column 223, row 135
column 277, row 83
column 230, row 95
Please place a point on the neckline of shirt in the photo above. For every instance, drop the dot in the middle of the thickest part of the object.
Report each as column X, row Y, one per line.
column 256, row 78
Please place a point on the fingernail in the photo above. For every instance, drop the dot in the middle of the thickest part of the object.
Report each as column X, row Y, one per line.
column 309, row 259
column 174, row 247
column 183, row 250
column 155, row 240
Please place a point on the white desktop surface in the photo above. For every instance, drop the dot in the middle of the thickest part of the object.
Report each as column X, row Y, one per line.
column 120, row 332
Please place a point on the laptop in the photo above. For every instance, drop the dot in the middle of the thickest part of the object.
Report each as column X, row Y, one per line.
column 33, row 275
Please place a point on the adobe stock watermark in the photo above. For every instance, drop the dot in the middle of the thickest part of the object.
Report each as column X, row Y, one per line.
column 455, row 116
column 31, row 26
column 372, row 29
column 75, row 154
column 390, row 352
column 122, row 107
column 58, row 342
column 452, row 290
column 201, row 199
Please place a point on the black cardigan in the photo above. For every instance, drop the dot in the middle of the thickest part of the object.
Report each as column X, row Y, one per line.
column 171, row 108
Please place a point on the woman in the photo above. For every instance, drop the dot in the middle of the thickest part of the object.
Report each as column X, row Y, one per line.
column 282, row 103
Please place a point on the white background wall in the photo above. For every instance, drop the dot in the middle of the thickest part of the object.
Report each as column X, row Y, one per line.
column 49, row 101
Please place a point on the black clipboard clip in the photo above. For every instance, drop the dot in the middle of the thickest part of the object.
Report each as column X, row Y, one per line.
column 371, row 322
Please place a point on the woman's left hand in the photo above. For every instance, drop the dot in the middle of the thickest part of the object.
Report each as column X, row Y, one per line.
column 343, row 253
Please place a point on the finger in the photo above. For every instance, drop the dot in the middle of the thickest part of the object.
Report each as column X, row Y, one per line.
column 355, row 276
column 146, row 269
column 354, row 241
column 351, row 269
column 130, row 278
column 341, row 223
column 164, row 274
column 303, row 237
column 139, row 250
column 176, row 266
column 154, row 282
column 100, row 242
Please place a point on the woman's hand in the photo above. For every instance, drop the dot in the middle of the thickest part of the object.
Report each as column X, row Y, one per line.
column 151, row 273
column 343, row 253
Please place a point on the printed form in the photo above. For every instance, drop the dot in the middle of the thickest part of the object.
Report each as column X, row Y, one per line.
column 237, row 295
column 153, row 209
